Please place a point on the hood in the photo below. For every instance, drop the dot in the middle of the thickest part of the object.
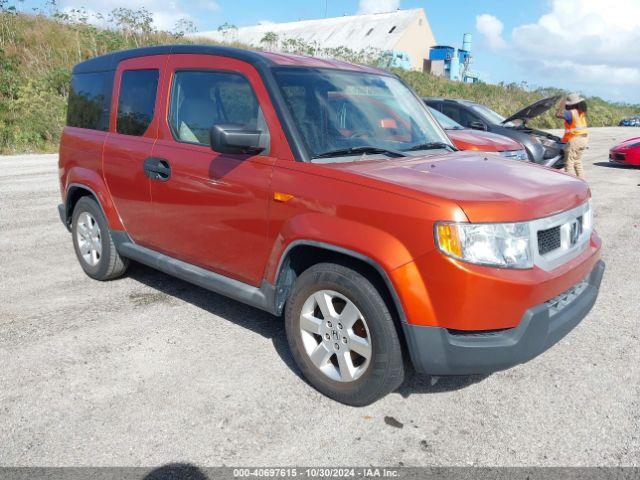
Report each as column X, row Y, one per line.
column 487, row 187
column 482, row 141
column 627, row 144
column 535, row 109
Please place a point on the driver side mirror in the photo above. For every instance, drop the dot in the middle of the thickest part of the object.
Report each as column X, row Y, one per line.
column 477, row 125
column 232, row 138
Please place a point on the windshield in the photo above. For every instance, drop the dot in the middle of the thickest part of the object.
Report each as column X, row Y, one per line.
column 337, row 111
column 490, row 115
column 444, row 121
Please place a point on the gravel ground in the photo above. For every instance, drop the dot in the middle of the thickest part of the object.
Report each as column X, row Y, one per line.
column 148, row 370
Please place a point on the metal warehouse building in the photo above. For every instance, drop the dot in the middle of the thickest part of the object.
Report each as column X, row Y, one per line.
column 405, row 32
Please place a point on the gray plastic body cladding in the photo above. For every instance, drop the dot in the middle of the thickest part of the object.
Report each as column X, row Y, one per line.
column 262, row 297
column 437, row 351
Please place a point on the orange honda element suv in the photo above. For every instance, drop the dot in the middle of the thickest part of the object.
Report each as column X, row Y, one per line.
column 270, row 178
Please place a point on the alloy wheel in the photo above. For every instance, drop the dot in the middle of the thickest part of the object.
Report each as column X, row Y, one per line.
column 335, row 336
column 89, row 238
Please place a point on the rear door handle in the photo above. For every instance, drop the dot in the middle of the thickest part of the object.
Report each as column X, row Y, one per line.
column 157, row 169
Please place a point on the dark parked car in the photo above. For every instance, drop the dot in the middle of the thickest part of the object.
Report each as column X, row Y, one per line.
column 543, row 148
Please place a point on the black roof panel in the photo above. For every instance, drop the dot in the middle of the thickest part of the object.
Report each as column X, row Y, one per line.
column 451, row 100
column 110, row 61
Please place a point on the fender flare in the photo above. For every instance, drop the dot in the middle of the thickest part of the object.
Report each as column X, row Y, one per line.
column 77, row 186
column 281, row 276
column 95, row 185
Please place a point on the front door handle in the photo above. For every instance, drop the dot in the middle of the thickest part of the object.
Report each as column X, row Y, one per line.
column 157, row 169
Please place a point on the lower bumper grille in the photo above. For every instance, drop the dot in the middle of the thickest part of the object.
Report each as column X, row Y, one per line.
column 560, row 302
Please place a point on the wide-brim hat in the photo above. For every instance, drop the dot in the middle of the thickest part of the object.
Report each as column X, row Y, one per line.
column 574, row 99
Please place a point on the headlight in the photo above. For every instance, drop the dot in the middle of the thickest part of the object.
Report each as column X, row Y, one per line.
column 516, row 155
column 587, row 218
column 504, row 245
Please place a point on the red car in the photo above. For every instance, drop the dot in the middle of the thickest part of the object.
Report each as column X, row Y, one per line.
column 282, row 182
column 479, row 141
column 626, row 153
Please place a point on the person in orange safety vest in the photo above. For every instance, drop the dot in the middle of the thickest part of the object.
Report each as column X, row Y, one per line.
column 573, row 109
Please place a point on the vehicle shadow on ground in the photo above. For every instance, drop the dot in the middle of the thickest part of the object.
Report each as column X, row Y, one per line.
column 613, row 165
column 415, row 383
column 272, row 327
column 176, row 471
column 251, row 318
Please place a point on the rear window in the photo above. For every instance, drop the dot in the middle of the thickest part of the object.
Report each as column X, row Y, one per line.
column 90, row 100
column 137, row 101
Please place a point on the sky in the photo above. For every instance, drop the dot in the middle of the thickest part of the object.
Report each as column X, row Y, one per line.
column 589, row 46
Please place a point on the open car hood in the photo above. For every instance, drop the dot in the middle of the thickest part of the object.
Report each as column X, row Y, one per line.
column 535, row 109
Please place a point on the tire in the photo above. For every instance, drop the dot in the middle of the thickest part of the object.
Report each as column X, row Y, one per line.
column 92, row 242
column 362, row 374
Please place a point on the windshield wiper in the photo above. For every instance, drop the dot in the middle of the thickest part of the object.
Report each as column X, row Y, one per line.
column 430, row 146
column 343, row 152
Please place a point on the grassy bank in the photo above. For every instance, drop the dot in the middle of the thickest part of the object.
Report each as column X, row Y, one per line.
column 36, row 56
column 37, row 53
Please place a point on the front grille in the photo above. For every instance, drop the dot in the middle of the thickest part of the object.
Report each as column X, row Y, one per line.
column 620, row 157
column 548, row 240
column 560, row 302
column 476, row 333
column 559, row 238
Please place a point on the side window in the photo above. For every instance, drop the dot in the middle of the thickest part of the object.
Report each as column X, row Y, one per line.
column 138, row 90
column 454, row 113
column 237, row 101
column 200, row 100
column 435, row 105
column 470, row 117
column 90, row 100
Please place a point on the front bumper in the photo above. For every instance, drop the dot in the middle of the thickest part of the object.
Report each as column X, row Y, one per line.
column 623, row 158
column 439, row 351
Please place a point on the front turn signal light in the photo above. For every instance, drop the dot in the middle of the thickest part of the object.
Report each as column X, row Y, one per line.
column 449, row 239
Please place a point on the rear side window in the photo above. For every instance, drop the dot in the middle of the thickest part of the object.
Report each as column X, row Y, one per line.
column 90, row 100
column 435, row 105
column 138, row 90
column 454, row 113
column 200, row 100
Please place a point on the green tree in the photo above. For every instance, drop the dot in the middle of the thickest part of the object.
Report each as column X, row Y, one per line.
column 183, row 26
column 133, row 23
column 270, row 40
column 227, row 30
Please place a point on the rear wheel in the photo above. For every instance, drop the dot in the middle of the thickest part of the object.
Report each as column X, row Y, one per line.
column 93, row 244
column 342, row 335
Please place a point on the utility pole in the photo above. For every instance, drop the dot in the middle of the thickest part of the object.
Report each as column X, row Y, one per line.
column 325, row 8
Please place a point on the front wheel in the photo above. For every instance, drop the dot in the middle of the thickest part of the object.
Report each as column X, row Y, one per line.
column 342, row 335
